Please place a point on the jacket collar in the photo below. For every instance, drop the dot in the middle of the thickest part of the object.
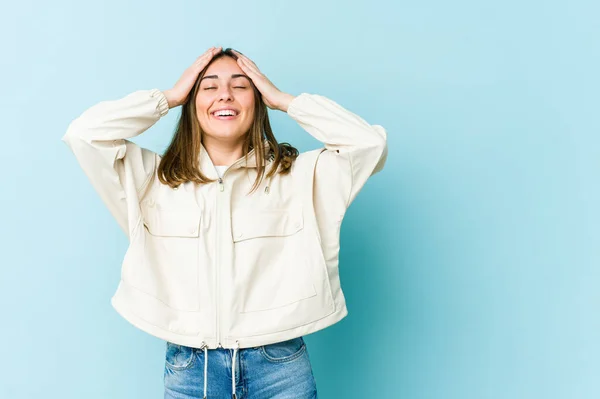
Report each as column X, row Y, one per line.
column 209, row 170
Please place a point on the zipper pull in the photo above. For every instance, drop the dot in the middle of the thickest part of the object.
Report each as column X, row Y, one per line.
column 221, row 186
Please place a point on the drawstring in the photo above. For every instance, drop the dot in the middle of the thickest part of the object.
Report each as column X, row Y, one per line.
column 235, row 351
column 233, row 395
column 205, row 347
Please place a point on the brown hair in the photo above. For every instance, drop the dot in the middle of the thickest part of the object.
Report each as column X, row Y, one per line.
column 179, row 163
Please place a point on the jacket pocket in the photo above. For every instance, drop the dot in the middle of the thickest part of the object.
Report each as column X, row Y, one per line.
column 182, row 221
column 170, row 270
column 270, row 271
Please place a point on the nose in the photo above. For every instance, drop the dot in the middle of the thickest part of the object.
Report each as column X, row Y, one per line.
column 225, row 93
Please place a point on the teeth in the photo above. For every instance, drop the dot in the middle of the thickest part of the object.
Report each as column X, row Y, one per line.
column 225, row 112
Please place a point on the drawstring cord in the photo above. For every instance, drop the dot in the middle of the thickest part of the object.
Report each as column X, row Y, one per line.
column 235, row 351
column 233, row 395
column 205, row 347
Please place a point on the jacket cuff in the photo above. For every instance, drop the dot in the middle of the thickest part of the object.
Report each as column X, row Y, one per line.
column 163, row 104
column 296, row 104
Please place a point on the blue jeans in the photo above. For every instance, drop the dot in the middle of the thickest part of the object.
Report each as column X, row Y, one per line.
column 280, row 370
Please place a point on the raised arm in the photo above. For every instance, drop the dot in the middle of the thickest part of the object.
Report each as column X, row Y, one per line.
column 354, row 149
column 117, row 167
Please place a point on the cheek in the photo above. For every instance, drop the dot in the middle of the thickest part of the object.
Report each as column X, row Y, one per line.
column 247, row 101
column 250, row 115
column 249, row 111
column 202, row 106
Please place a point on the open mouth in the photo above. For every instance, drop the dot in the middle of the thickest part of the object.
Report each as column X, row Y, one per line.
column 225, row 114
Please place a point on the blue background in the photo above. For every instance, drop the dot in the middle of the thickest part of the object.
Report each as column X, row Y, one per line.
column 470, row 263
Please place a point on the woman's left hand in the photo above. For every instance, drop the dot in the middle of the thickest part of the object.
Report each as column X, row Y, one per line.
column 272, row 96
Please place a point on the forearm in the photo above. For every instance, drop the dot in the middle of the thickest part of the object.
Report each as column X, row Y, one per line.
column 120, row 119
column 333, row 125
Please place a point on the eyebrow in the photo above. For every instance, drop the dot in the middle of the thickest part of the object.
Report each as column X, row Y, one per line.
column 235, row 75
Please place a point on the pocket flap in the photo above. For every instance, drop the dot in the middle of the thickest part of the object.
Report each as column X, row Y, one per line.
column 172, row 222
column 249, row 223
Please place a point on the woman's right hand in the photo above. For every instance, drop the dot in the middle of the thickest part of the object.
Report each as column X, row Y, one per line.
column 179, row 93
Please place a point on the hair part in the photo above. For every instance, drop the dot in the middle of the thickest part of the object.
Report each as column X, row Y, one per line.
column 179, row 163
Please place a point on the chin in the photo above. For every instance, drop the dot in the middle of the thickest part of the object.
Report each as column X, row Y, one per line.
column 226, row 135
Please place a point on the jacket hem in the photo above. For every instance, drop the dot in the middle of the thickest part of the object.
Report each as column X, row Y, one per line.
column 279, row 336
column 121, row 299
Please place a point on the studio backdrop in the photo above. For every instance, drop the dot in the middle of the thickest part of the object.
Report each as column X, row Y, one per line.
column 470, row 263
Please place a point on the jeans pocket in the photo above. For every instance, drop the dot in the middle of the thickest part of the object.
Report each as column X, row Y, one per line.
column 179, row 357
column 284, row 351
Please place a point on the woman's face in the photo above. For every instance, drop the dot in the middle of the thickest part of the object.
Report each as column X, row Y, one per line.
column 225, row 101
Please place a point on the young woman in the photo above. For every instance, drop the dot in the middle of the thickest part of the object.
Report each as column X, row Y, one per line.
column 234, row 237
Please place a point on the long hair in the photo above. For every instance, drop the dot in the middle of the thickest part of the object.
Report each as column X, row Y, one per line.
column 179, row 163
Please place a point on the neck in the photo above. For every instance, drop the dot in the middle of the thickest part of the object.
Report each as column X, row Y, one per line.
column 222, row 152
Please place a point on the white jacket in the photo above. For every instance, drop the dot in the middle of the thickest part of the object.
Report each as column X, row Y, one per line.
column 209, row 266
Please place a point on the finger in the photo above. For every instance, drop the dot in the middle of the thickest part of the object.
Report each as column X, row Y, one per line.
column 210, row 50
column 250, row 62
column 251, row 74
column 213, row 51
column 249, row 71
column 205, row 58
column 245, row 64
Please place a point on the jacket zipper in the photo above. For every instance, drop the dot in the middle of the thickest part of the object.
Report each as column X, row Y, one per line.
column 217, row 268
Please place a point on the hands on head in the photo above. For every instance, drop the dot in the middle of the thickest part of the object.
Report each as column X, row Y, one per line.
column 272, row 96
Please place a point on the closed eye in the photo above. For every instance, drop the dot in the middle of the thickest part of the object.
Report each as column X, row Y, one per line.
column 235, row 87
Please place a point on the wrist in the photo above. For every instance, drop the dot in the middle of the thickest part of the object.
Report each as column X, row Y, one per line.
column 285, row 101
column 170, row 100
